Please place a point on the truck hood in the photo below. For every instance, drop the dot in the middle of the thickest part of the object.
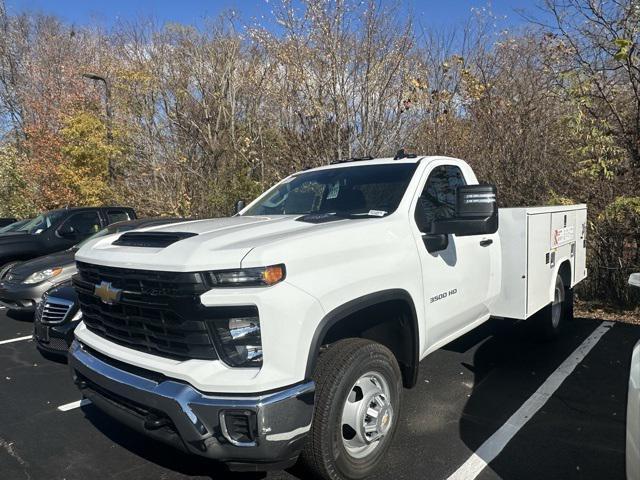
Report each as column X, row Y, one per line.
column 219, row 243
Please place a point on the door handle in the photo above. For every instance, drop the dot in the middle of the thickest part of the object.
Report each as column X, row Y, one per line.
column 486, row 243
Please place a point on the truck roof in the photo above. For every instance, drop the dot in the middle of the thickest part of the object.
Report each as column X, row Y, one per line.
column 73, row 209
column 381, row 161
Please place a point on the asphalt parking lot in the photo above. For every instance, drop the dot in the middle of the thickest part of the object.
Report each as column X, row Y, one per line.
column 487, row 393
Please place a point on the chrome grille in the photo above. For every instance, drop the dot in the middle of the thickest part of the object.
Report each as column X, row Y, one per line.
column 54, row 310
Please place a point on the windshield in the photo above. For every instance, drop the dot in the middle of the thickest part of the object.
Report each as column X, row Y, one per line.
column 13, row 226
column 41, row 223
column 374, row 190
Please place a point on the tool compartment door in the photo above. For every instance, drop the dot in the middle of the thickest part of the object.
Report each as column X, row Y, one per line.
column 539, row 269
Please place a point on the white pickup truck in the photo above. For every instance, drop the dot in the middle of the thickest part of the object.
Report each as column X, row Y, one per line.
column 286, row 333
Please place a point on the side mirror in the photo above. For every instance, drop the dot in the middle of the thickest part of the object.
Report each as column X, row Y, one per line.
column 435, row 243
column 476, row 212
column 634, row 280
column 239, row 206
column 68, row 232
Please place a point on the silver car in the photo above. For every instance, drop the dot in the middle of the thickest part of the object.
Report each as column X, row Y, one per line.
column 633, row 406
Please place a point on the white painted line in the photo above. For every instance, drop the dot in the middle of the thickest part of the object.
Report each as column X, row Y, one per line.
column 72, row 405
column 492, row 447
column 17, row 339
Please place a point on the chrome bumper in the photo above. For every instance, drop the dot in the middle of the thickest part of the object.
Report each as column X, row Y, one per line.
column 176, row 413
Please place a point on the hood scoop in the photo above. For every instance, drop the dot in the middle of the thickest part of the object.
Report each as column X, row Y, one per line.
column 151, row 239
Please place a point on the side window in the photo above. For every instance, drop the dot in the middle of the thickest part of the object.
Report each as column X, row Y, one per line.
column 114, row 216
column 438, row 198
column 83, row 224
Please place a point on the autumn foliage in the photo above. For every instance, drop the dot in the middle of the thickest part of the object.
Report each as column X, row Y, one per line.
column 202, row 117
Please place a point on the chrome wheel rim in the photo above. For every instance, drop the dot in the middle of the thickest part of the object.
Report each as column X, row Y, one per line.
column 556, row 306
column 367, row 415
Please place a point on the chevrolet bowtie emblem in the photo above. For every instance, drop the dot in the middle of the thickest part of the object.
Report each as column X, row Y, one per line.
column 107, row 293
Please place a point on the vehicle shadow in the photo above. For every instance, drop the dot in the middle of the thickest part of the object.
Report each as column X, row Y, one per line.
column 159, row 453
column 20, row 315
column 579, row 432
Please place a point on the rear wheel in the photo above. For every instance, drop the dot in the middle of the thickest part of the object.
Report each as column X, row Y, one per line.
column 358, row 385
column 552, row 319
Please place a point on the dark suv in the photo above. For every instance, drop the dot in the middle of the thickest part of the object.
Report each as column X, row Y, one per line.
column 57, row 230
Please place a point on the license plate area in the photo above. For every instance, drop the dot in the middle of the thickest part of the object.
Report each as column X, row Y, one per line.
column 42, row 332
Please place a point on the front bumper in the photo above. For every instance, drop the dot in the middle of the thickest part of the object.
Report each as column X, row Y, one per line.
column 176, row 413
column 54, row 339
column 22, row 297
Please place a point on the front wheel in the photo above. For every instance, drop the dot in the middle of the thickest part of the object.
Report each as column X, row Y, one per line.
column 358, row 387
column 4, row 269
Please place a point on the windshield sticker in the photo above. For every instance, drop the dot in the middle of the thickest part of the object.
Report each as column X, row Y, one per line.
column 377, row 213
column 333, row 192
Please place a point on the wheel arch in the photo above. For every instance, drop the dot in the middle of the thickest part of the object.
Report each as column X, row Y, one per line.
column 399, row 333
column 564, row 268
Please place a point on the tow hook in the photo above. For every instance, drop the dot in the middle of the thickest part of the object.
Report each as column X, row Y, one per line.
column 154, row 422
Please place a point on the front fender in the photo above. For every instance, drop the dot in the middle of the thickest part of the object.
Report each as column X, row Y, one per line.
column 353, row 306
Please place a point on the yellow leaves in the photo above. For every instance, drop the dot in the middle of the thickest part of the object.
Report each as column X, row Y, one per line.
column 473, row 87
column 556, row 199
column 14, row 189
column 624, row 47
column 86, row 153
column 624, row 210
column 419, row 84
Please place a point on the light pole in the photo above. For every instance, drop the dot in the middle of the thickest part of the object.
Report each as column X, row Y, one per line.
column 109, row 113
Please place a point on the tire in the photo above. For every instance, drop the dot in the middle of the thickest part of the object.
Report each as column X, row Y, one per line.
column 6, row 267
column 552, row 320
column 353, row 376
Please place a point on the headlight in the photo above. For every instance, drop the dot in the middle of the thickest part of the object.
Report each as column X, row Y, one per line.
column 42, row 275
column 77, row 316
column 239, row 339
column 247, row 277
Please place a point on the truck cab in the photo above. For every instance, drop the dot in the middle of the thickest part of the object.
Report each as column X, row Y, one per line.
column 286, row 333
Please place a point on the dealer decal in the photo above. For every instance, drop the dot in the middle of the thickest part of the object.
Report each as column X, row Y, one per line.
column 560, row 236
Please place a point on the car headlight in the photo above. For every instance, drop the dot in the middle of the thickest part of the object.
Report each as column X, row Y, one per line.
column 247, row 277
column 42, row 275
column 77, row 316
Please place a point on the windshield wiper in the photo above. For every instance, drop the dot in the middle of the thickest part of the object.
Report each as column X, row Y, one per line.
column 333, row 216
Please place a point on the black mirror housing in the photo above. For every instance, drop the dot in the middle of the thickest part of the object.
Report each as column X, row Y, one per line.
column 238, row 206
column 476, row 212
column 435, row 243
column 67, row 232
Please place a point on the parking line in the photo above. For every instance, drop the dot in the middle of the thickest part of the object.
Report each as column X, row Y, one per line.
column 18, row 339
column 72, row 405
column 492, row 447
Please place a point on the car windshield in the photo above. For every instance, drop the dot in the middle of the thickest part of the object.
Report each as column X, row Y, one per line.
column 359, row 190
column 41, row 223
column 13, row 226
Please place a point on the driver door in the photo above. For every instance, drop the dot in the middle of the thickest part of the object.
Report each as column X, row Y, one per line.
column 76, row 228
column 456, row 279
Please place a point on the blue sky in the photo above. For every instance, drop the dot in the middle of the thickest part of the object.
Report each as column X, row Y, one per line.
column 444, row 13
